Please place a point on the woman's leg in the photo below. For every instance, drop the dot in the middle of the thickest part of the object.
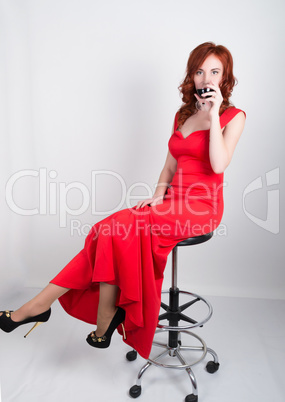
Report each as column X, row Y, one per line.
column 43, row 300
column 40, row 303
column 106, row 307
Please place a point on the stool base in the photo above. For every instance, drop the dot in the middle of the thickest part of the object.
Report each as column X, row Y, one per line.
column 174, row 348
column 211, row 367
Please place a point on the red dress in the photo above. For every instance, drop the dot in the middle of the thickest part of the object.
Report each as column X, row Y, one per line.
column 130, row 247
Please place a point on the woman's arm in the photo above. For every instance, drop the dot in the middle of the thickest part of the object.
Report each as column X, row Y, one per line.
column 166, row 174
column 165, row 178
column 222, row 144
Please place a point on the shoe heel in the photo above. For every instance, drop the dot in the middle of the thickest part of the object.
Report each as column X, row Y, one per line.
column 124, row 332
column 35, row 326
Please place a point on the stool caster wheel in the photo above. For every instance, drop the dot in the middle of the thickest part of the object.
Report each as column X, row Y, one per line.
column 132, row 355
column 212, row 367
column 135, row 391
column 191, row 398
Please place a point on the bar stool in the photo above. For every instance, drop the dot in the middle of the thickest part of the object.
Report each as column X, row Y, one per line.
column 173, row 347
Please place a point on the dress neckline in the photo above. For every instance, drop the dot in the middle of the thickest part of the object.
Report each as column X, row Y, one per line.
column 193, row 132
column 197, row 131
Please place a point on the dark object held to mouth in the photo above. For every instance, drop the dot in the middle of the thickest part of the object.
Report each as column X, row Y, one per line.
column 203, row 91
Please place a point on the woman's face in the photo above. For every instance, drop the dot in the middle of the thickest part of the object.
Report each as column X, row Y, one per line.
column 210, row 72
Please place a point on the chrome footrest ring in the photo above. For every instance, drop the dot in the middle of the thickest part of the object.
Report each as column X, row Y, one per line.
column 168, row 349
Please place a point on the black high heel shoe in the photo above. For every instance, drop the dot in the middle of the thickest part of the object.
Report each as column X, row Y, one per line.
column 104, row 341
column 8, row 325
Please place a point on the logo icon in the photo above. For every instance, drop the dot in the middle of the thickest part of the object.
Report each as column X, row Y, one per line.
column 271, row 223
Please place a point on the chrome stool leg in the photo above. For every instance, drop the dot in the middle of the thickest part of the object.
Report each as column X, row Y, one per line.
column 136, row 390
column 213, row 366
column 192, row 379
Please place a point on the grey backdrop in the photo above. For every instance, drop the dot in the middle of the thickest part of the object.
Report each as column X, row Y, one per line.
column 88, row 85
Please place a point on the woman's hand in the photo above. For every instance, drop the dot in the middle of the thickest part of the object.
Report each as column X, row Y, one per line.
column 216, row 99
column 152, row 201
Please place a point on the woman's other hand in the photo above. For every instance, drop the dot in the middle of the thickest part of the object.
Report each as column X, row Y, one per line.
column 152, row 201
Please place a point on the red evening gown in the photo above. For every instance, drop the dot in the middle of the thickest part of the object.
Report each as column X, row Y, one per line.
column 130, row 247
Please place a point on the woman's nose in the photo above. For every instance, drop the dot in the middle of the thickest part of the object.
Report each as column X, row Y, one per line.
column 207, row 79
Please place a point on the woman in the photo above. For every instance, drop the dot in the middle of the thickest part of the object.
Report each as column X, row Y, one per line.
column 115, row 280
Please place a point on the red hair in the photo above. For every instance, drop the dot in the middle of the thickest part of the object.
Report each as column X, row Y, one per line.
column 187, row 88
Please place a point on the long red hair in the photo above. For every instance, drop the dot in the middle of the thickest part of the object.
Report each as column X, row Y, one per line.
column 187, row 88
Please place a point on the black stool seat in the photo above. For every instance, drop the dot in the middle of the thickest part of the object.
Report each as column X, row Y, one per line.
column 195, row 240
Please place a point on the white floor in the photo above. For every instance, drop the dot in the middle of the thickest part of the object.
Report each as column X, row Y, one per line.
column 55, row 363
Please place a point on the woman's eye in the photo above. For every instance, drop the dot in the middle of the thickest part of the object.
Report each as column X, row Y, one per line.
column 215, row 72
column 199, row 72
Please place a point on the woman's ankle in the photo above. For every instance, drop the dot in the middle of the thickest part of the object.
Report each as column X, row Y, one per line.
column 103, row 321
